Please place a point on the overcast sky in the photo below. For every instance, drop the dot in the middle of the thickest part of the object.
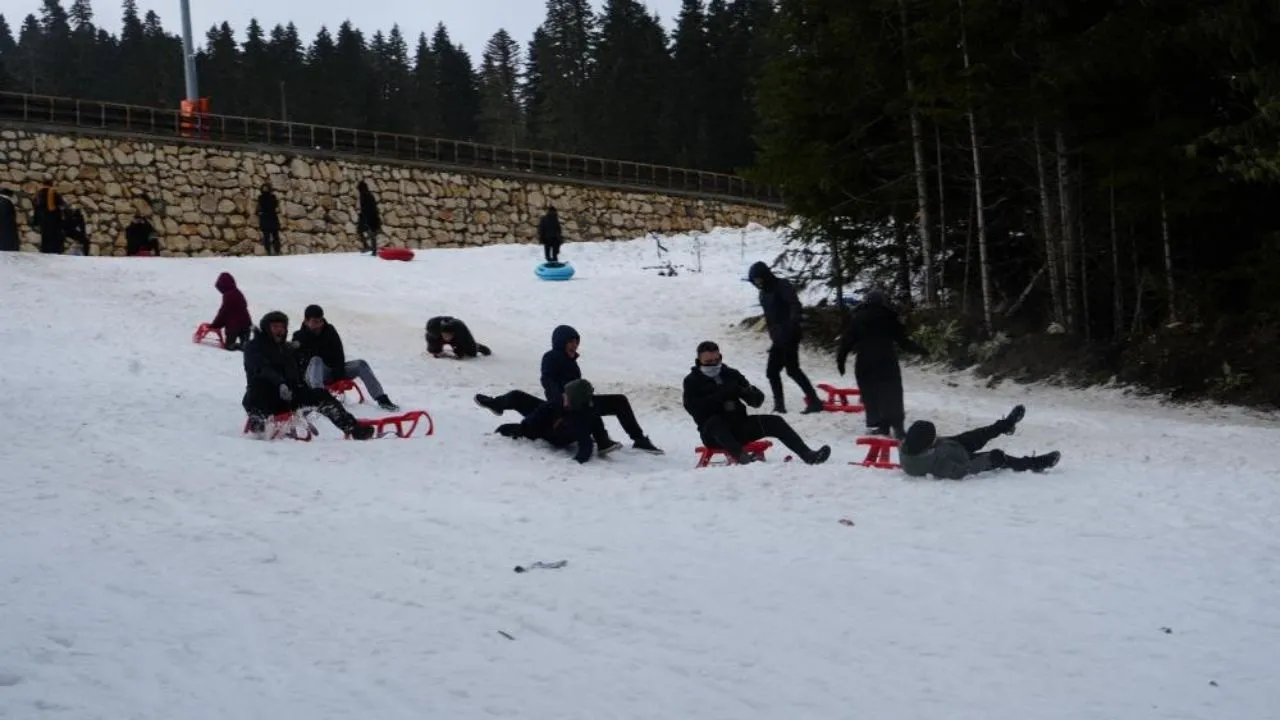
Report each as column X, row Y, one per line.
column 470, row 22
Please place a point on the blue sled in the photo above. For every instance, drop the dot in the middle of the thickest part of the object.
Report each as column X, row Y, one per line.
column 554, row 271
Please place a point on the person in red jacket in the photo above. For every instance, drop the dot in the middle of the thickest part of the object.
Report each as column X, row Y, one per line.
column 233, row 317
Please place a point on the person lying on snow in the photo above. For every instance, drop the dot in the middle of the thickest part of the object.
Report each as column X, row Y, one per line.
column 784, row 316
column 233, row 315
column 953, row 458
column 320, row 352
column 567, row 420
column 274, row 381
column 559, row 368
column 714, row 394
column 443, row 330
column 874, row 331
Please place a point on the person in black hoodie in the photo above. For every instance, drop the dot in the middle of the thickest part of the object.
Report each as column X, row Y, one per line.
column 444, row 330
column 714, row 394
column 565, row 421
column 274, row 381
column 75, row 228
column 874, row 332
column 46, row 217
column 550, row 235
column 140, row 237
column 370, row 221
column 269, row 220
column 784, row 316
column 320, row 351
column 10, row 237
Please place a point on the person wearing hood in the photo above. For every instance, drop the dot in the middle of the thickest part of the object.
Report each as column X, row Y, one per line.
column 321, row 353
column 369, row 223
column 567, row 420
column 233, row 315
column 140, row 238
column 274, row 381
column 874, row 332
column 714, row 396
column 957, row 457
column 10, row 237
column 268, row 212
column 550, row 235
column 784, row 317
column 444, row 330
column 559, row 368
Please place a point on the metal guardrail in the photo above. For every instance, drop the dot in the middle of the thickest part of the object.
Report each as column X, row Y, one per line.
column 165, row 123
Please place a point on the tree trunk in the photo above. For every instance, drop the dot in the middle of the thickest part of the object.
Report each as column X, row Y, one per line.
column 968, row 256
column 1168, row 254
column 942, row 216
column 1070, row 290
column 980, row 211
column 1085, row 318
column 1117, row 289
column 917, row 149
column 1047, row 226
column 904, row 255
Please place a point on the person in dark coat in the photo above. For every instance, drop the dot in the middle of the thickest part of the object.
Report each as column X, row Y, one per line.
column 370, row 222
column 140, row 238
column 269, row 220
column 274, row 381
column 46, row 217
column 568, row 420
column 957, row 457
column 444, row 330
column 10, row 237
column 75, row 228
column 233, row 315
column 784, row 317
column 550, row 235
column 874, row 332
column 321, row 353
column 560, row 367
column 714, row 394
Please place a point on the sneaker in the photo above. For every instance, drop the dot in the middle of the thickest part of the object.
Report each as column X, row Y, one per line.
column 385, row 403
column 819, row 456
column 746, row 458
column 257, row 426
column 484, row 350
column 1013, row 418
column 1040, row 463
column 487, row 403
column 361, row 432
column 878, row 431
column 607, row 447
column 812, row 405
column 646, row 445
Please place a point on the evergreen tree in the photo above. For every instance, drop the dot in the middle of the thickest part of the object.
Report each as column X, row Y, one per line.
column 325, row 95
column 688, row 125
column 258, row 80
column 288, row 89
column 425, row 96
column 89, row 59
column 29, row 70
column 9, row 60
column 350, row 78
column 630, row 85
column 457, row 88
column 566, row 61
column 397, row 93
column 132, row 68
column 219, row 70
column 501, row 117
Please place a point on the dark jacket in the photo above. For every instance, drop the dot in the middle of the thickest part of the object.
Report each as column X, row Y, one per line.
column 10, row 238
column 74, row 225
column 47, row 217
column 945, row 459
column 558, row 367
column 562, row 427
column 370, row 219
column 549, row 232
column 326, row 344
column 706, row 397
column 269, row 363
column 464, row 345
column 233, row 314
column 874, row 331
column 782, row 310
column 268, row 212
column 139, row 236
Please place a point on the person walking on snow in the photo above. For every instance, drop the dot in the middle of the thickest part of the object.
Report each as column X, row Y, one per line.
column 321, row 353
column 443, row 330
column 274, row 382
column 565, row 421
column 784, row 317
column 10, row 237
column 370, row 221
column 47, row 218
column 75, row 229
column 714, row 394
column 550, row 235
column 233, row 315
column 957, row 457
column 268, row 212
column 873, row 332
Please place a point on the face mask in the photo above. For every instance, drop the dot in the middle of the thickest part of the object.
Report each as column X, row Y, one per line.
column 710, row 370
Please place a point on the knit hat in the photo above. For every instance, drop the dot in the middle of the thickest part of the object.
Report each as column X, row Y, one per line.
column 579, row 393
column 707, row 346
column 920, row 437
column 313, row 311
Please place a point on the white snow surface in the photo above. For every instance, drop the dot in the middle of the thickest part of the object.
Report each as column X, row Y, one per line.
column 155, row 563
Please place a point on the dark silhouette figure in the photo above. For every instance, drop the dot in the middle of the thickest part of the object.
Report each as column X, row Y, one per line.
column 269, row 220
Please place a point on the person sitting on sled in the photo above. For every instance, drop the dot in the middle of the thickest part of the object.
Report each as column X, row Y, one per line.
column 233, row 315
column 443, row 330
column 959, row 456
column 566, row 421
column 274, row 383
column 321, row 353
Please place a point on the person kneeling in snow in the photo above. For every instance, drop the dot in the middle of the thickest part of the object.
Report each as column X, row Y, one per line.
column 562, row 422
column 320, row 348
column 444, row 330
column 714, row 394
column 233, row 315
column 953, row 458
column 274, row 382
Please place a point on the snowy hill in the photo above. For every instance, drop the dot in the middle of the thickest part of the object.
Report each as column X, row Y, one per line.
column 155, row 564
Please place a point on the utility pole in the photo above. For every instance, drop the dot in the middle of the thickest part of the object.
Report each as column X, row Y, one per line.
column 189, row 53
column 284, row 107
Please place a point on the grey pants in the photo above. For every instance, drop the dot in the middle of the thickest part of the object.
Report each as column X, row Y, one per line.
column 319, row 374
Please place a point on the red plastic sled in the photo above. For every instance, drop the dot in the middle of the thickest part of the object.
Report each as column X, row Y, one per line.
column 411, row 418
column 286, row 425
column 706, row 454
column 340, row 388
column 838, row 399
column 203, row 331
column 393, row 253
column 878, row 452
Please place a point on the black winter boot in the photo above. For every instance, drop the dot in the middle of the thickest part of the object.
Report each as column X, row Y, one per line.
column 385, row 403
column 487, row 403
column 483, row 350
column 819, row 456
column 779, row 407
column 811, row 405
column 1010, row 422
column 1035, row 463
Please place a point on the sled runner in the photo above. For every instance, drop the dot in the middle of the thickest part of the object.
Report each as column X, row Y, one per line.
column 399, row 423
column 339, row 389
column 706, row 455
column 838, row 399
column 291, row 425
column 204, row 334
column 878, row 455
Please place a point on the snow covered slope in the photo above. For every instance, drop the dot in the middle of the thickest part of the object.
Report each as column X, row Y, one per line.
column 155, row 564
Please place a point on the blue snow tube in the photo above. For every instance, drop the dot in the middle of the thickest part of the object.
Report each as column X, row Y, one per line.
column 554, row 271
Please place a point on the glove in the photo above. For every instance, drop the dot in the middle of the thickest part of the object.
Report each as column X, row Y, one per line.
column 753, row 395
column 511, row 430
column 285, row 393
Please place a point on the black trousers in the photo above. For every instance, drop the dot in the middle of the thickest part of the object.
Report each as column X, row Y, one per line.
column 551, row 251
column 238, row 341
column 262, row 400
column 524, row 403
column 271, row 241
column 605, row 405
column 976, row 439
column 730, row 433
column 369, row 239
column 884, row 405
column 787, row 357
